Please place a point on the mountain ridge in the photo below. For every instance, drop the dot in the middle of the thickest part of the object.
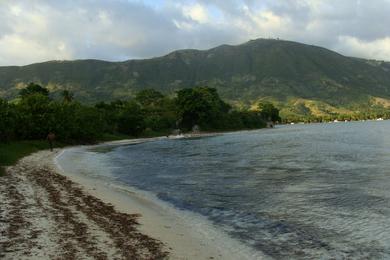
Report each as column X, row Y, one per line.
column 276, row 70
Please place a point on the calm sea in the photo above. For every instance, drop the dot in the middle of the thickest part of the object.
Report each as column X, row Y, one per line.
column 292, row 192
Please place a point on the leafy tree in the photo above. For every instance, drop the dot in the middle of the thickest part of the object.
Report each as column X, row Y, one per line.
column 149, row 97
column 158, row 111
column 8, row 119
column 159, row 123
column 89, row 124
column 75, row 122
column 200, row 106
column 110, row 113
column 33, row 88
column 251, row 120
column 130, row 120
column 35, row 116
column 269, row 112
column 67, row 96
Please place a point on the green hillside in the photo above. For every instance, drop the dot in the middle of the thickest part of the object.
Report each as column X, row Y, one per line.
column 303, row 80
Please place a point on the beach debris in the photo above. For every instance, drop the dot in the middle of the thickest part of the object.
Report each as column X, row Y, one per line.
column 45, row 215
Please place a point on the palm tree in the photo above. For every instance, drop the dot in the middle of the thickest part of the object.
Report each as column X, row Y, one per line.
column 67, row 96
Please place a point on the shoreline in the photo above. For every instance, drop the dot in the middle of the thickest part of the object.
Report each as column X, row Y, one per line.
column 184, row 234
column 45, row 215
column 55, row 205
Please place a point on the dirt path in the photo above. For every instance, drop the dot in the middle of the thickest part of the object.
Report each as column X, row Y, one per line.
column 44, row 215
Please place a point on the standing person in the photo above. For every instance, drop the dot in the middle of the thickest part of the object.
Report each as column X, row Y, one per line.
column 50, row 138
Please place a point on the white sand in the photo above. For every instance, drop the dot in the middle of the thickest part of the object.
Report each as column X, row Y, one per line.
column 44, row 215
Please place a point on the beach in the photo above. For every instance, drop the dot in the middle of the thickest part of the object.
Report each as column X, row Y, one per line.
column 47, row 213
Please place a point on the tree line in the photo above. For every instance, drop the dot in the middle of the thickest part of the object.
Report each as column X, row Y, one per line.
column 371, row 114
column 149, row 113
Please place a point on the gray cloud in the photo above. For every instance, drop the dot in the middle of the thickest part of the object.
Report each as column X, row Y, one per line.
column 38, row 30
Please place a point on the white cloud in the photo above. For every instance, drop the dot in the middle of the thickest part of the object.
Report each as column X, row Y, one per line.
column 377, row 49
column 15, row 10
column 197, row 12
column 17, row 50
column 39, row 30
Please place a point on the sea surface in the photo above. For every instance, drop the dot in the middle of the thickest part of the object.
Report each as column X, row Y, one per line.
column 316, row 191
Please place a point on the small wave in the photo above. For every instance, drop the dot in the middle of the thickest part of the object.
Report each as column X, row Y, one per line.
column 198, row 223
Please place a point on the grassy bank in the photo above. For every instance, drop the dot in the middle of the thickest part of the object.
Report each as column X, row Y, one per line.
column 11, row 152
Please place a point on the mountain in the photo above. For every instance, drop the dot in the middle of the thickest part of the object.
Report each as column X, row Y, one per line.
column 301, row 79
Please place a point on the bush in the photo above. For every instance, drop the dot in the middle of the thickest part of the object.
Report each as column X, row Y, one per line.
column 130, row 120
column 8, row 118
column 200, row 106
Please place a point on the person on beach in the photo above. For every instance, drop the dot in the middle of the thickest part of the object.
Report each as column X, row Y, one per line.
column 50, row 138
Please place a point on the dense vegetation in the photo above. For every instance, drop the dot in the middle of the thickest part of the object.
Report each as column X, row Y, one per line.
column 25, row 123
column 36, row 114
column 305, row 82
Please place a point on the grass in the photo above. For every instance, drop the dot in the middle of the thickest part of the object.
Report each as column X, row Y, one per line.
column 113, row 137
column 11, row 152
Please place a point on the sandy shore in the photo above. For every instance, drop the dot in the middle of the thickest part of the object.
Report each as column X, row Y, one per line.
column 46, row 213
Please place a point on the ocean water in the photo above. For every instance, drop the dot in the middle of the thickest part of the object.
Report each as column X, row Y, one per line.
column 318, row 191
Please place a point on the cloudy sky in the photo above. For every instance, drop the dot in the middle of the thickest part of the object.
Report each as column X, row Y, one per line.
column 37, row 30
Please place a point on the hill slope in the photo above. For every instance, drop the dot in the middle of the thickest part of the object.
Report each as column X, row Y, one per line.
column 304, row 79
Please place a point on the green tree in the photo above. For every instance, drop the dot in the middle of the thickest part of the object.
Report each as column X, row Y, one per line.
column 130, row 119
column 200, row 106
column 33, row 88
column 67, row 96
column 149, row 97
column 35, row 116
column 75, row 122
column 8, row 118
column 269, row 112
column 158, row 110
column 89, row 124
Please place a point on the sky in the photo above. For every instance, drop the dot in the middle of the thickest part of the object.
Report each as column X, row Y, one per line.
column 115, row 30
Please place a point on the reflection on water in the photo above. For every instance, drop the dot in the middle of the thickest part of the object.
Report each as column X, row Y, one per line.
column 302, row 191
